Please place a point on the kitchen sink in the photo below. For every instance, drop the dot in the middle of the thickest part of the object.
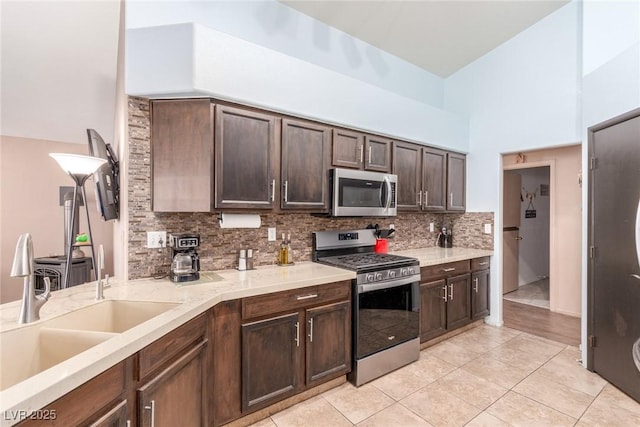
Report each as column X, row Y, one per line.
column 33, row 349
column 29, row 350
column 110, row 315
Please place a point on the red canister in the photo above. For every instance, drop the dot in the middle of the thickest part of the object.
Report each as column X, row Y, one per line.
column 382, row 246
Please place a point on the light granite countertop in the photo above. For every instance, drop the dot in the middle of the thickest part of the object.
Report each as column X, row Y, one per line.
column 194, row 298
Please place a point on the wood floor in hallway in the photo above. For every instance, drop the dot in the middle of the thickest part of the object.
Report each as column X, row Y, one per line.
column 542, row 322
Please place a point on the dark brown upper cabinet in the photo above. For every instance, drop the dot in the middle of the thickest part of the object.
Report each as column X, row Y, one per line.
column 407, row 165
column 456, row 178
column 355, row 150
column 182, row 155
column 348, row 149
column 305, row 166
column 434, row 179
column 428, row 179
column 246, row 158
column 377, row 154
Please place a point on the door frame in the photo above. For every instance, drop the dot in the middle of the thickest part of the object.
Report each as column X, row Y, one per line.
column 553, row 262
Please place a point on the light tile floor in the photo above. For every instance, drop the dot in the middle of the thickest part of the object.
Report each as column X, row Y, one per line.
column 536, row 293
column 487, row 376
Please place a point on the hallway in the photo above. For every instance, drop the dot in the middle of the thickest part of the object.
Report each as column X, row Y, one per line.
column 542, row 322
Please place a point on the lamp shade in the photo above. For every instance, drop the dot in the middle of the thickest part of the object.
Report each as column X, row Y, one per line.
column 75, row 164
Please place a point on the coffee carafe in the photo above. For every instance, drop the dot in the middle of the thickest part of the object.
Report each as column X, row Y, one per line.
column 185, row 264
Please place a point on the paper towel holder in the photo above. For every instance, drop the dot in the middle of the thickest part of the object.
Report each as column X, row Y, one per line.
column 239, row 220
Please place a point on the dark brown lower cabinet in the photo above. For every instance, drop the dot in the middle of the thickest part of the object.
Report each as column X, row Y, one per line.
column 328, row 351
column 479, row 294
column 176, row 396
column 116, row 417
column 273, row 351
column 458, row 301
column 271, row 359
column 433, row 309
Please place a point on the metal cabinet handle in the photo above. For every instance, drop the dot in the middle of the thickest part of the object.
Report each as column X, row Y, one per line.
column 444, row 288
column 451, row 199
column 286, row 190
column 448, row 270
column 297, row 339
column 451, row 292
column 476, row 284
column 369, row 154
column 420, row 198
column 152, row 407
column 361, row 148
column 636, row 276
column 273, row 190
column 518, row 238
column 484, row 263
column 303, row 297
column 311, row 330
column 426, row 199
column 128, row 423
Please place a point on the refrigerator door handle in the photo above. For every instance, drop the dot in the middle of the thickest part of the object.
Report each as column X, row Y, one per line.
column 638, row 233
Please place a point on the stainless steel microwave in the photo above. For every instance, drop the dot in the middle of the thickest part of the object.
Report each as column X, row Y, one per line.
column 362, row 193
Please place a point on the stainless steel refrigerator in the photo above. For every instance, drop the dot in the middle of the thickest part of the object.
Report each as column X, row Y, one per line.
column 614, row 252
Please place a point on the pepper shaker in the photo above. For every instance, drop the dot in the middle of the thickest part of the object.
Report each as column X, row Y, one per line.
column 249, row 259
column 242, row 260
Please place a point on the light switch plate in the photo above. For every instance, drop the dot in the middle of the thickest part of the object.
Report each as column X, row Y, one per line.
column 431, row 227
column 156, row 239
column 487, row 228
column 271, row 235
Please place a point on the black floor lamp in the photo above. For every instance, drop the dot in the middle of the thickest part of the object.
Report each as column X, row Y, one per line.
column 79, row 168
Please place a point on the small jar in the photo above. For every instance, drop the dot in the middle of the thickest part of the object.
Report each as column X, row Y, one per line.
column 249, row 259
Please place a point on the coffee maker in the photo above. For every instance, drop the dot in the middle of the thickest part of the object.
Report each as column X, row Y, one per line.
column 185, row 264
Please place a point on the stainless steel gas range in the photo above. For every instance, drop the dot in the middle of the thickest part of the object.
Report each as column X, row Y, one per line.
column 386, row 303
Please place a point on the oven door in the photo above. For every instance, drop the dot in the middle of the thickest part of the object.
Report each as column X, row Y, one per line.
column 385, row 317
column 362, row 193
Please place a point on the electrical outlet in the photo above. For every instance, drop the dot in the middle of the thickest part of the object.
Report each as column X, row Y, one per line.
column 392, row 226
column 487, row 229
column 431, row 227
column 271, row 235
column 156, row 239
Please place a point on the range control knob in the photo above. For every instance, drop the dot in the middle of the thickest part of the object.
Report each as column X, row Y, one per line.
column 378, row 276
column 403, row 272
column 369, row 278
column 392, row 274
column 412, row 270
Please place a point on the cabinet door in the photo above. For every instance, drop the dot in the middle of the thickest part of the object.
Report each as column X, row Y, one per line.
column 479, row 294
column 305, row 165
column 456, row 176
column 182, row 155
column 328, row 353
column 458, row 301
column 116, row 417
column 433, row 309
column 271, row 356
column 176, row 396
column 434, row 179
column 245, row 158
column 348, row 149
column 377, row 154
column 406, row 164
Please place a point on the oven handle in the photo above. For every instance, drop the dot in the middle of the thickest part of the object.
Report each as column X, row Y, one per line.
column 369, row 287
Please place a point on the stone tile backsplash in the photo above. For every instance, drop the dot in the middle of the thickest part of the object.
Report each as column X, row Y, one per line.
column 219, row 247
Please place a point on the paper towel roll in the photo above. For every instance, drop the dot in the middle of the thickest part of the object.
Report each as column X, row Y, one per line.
column 239, row 220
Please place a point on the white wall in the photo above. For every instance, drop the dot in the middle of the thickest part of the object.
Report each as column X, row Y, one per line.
column 534, row 247
column 276, row 26
column 197, row 60
column 522, row 95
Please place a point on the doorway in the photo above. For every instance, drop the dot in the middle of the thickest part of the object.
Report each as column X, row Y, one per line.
column 541, row 245
column 526, row 220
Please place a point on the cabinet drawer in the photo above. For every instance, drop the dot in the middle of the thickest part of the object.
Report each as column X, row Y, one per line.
column 482, row 263
column 444, row 270
column 264, row 305
column 161, row 351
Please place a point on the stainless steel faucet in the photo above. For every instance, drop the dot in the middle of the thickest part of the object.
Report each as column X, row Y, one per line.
column 23, row 267
column 99, row 284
